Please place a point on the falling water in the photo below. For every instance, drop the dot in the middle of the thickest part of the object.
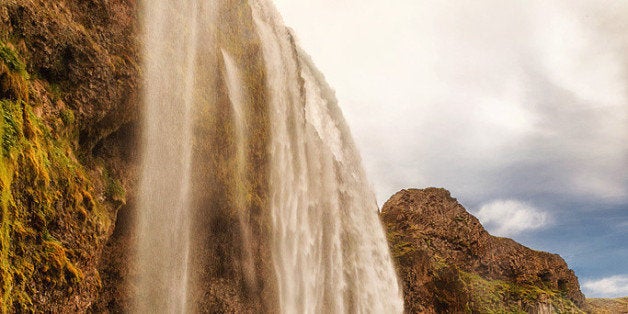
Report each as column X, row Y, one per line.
column 238, row 105
column 329, row 249
column 252, row 192
column 164, row 210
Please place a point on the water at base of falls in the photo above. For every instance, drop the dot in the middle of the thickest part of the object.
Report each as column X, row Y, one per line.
column 328, row 250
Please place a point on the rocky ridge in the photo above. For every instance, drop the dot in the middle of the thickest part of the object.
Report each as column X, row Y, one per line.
column 447, row 262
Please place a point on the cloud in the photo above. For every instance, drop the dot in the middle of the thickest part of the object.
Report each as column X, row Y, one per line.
column 510, row 217
column 610, row 287
column 493, row 100
column 489, row 99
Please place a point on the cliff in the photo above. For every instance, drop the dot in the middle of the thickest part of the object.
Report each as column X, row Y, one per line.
column 68, row 76
column 69, row 86
column 449, row 263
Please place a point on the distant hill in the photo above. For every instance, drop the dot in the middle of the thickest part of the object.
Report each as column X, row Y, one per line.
column 607, row 306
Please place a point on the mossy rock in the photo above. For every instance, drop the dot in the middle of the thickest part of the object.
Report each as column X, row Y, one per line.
column 497, row 296
column 13, row 75
column 48, row 208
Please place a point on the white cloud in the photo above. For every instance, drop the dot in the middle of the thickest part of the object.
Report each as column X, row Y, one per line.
column 610, row 287
column 490, row 99
column 510, row 217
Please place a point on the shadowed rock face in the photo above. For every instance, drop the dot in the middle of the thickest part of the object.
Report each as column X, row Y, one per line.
column 448, row 262
column 87, row 50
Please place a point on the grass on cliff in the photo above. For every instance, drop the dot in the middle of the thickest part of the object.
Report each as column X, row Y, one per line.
column 496, row 296
column 13, row 75
column 44, row 191
column 607, row 306
column 464, row 291
column 10, row 58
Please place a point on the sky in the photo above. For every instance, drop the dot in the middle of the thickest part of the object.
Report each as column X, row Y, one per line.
column 519, row 108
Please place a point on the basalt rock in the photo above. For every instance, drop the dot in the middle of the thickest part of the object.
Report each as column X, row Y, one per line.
column 449, row 263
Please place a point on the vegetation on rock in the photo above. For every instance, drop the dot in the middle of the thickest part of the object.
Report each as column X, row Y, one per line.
column 67, row 87
column 44, row 191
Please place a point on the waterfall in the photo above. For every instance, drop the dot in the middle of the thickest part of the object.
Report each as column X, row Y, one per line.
column 329, row 250
column 252, row 195
column 238, row 103
column 164, row 197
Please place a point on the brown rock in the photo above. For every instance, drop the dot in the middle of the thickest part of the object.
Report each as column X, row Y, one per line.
column 444, row 255
column 86, row 50
column 79, row 79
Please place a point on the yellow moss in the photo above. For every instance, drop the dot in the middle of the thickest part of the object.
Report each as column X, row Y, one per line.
column 9, row 57
column 41, row 185
column 13, row 75
column 58, row 265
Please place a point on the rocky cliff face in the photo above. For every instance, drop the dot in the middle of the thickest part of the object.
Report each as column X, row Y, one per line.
column 68, row 81
column 449, row 263
column 69, row 76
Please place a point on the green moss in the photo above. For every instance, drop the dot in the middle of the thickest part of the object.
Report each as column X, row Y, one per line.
column 56, row 92
column 497, row 296
column 13, row 75
column 114, row 190
column 44, row 191
column 400, row 247
column 12, row 60
column 11, row 127
column 67, row 116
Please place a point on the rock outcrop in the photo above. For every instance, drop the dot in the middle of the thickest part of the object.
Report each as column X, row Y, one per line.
column 86, row 51
column 449, row 263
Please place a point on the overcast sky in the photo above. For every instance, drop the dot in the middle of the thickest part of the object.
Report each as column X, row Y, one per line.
column 519, row 108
